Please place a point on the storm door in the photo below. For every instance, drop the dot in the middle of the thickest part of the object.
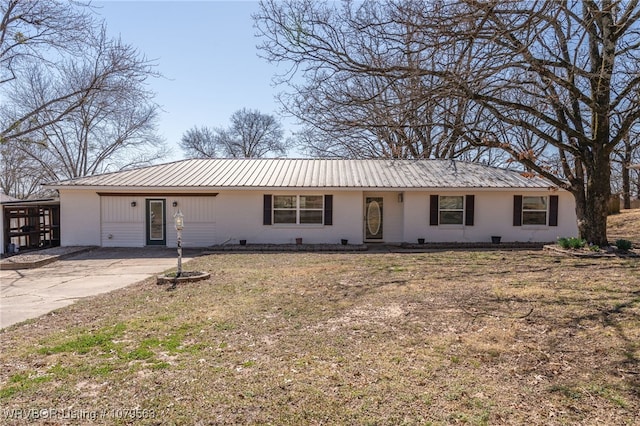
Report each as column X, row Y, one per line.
column 156, row 223
column 373, row 219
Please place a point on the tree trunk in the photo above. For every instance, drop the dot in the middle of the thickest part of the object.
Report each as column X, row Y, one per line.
column 592, row 201
column 626, row 188
column 626, row 181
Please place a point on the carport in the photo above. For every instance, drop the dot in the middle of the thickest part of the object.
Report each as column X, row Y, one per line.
column 30, row 225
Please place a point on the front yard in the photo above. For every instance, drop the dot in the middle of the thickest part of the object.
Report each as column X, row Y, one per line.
column 472, row 337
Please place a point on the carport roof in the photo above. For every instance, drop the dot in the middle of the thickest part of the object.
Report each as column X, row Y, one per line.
column 310, row 173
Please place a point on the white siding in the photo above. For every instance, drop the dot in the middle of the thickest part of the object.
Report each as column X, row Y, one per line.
column 239, row 217
column 122, row 224
column 493, row 216
column 392, row 216
column 199, row 221
column 125, row 226
column 79, row 218
column 87, row 219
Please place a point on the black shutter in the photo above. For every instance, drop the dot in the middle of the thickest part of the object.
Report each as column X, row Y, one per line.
column 469, row 207
column 328, row 209
column 553, row 210
column 517, row 210
column 266, row 209
column 433, row 210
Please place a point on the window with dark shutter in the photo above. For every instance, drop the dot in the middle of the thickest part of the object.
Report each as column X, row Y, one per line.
column 517, row 210
column 469, row 210
column 433, row 210
column 553, row 210
column 266, row 209
column 328, row 209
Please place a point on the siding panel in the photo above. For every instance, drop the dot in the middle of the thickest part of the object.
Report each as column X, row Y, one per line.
column 125, row 226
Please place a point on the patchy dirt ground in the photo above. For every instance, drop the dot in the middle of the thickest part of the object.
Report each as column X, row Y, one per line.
column 471, row 337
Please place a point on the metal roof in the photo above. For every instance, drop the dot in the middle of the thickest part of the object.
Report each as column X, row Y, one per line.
column 6, row 198
column 309, row 173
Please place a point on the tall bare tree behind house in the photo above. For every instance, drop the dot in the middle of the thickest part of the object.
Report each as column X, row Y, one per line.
column 552, row 84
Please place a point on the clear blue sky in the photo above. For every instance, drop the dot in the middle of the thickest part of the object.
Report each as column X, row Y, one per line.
column 206, row 51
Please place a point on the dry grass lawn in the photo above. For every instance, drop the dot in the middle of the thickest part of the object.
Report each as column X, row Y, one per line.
column 451, row 337
column 625, row 225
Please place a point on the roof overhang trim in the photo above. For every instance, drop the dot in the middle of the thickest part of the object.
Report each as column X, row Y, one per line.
column 163, row 193
column 198, row 191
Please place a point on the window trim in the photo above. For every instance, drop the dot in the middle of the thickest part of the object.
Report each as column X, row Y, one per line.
column 524, row 209
column 460, row 210
column 298, row 210
column 552, row 211
column 468, row 210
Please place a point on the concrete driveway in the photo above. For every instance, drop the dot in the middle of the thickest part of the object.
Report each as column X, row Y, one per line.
column 29, row 293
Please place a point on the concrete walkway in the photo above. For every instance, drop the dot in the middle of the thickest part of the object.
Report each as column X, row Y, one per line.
column 30, row 293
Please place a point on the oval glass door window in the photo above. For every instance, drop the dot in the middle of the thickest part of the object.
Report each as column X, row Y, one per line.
column 374, row 216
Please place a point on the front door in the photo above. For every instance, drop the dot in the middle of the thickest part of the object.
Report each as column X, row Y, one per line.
column 373, row 219
column 156, row 223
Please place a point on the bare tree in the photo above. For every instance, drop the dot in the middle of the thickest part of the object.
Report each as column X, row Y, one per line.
column 20, row 175
column 251, row 134
column 565, row 74
column 360, row 113
column 40, row 32
column 627, row 154
column 201, row 142
column 107, row 129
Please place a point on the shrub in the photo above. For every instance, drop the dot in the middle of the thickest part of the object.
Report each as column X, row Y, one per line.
column 571, row 243
column 624, row 245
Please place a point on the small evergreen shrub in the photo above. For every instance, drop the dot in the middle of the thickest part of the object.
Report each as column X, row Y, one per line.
column 571, row 243
column 624, row 245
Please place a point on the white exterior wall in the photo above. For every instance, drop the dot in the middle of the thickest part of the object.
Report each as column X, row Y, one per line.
column 79, row 218
column 122, row 225
column 125, row 226
column 392, row 216
column 239, row 217
column 199, row 221
column 493, row 216
column 89, row 219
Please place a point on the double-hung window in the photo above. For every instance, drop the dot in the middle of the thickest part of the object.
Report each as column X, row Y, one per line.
column 451, row 209
column 538, row 210
column 534, row 210
column 298, row 209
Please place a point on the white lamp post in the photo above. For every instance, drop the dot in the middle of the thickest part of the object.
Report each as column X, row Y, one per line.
column 178, row 219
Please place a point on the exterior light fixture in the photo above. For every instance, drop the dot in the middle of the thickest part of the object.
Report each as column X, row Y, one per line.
column 178, row 219
column 133, row 204
column 175, row 204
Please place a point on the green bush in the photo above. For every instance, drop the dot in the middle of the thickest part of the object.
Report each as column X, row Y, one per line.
column 571, row 243
column 624, row 245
